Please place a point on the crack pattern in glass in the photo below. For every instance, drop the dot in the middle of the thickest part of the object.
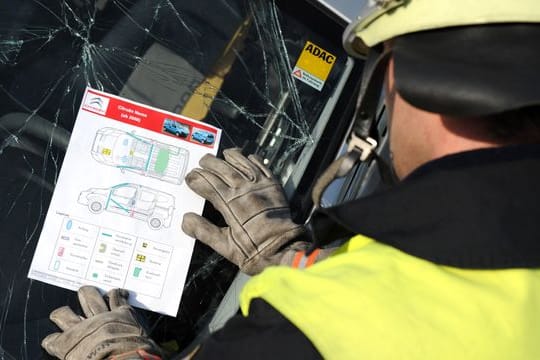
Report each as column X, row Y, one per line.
column 225, row 62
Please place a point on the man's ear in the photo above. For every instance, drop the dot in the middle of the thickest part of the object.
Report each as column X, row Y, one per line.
column 389, row 87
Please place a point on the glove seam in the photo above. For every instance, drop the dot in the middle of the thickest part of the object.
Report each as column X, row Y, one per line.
column 142, row 344
column 231, row 235
column 240, row 172
column 266, row 210
column 223, row 179
column 268, row 243
column 253, row 190
column 239, row 165
column 246, row 233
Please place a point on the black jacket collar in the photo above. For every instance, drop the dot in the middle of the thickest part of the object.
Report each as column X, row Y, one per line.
column 477, row 209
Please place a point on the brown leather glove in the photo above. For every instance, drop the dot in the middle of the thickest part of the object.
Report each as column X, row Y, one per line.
column 261, row 231
column 103, row 332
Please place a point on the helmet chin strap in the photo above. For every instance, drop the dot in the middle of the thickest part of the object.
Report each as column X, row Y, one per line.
column 362, row 143
column 363, row 137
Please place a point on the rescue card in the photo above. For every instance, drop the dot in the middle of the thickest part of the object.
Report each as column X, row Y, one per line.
column 116, row 212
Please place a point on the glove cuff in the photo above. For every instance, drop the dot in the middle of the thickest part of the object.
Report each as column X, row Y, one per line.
column 138, row 354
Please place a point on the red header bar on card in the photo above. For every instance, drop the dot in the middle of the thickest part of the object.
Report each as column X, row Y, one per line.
column 147, row 118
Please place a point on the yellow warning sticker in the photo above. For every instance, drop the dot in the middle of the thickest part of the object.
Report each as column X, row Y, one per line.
column 314, row 65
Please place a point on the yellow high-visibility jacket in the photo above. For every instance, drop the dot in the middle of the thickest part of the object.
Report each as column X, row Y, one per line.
column 372, row 301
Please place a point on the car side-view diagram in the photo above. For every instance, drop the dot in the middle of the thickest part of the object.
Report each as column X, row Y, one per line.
column 148, row 157
column 176, row 128
column 133, row 200
column 203, row 137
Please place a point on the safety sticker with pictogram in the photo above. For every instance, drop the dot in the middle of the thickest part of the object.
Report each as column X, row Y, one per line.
column 314, row 65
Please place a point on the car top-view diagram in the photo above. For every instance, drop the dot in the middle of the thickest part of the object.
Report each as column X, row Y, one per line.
column 133, row 200
column 130, row 152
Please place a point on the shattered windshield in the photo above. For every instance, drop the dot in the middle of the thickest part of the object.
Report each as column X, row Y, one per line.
column 229, row 63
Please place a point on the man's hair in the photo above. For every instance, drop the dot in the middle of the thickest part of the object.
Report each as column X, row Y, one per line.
column 520, row 125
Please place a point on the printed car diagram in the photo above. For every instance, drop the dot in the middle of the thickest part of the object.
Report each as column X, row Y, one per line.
column 133, row 200
column 148, row 157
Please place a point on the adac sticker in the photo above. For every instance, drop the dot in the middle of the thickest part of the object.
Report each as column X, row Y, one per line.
column 314, row 65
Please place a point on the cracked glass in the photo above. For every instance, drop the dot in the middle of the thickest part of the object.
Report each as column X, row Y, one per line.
column 225, row 62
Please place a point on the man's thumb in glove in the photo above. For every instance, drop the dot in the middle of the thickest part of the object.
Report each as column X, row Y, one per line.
column 209, row 186
column 201, row 229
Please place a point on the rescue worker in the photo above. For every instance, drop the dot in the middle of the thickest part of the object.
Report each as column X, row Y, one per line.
column 445, row 265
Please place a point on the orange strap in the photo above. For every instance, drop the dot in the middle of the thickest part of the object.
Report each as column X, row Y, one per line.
column 135, row 355
column 301, row 261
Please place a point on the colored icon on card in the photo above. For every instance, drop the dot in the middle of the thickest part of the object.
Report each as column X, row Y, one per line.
column 95, row 275
column 144, row 245
column 102, row 248
column 60, row 251
column 140, row 258
column 56, row 265
column 69, row 225
column 137, row 272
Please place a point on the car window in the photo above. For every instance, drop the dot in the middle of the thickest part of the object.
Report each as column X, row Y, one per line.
column 229, row 63
column 147, row 196
column 126, row 191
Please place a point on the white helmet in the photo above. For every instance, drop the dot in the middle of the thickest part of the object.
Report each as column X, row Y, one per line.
column 464, row 58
